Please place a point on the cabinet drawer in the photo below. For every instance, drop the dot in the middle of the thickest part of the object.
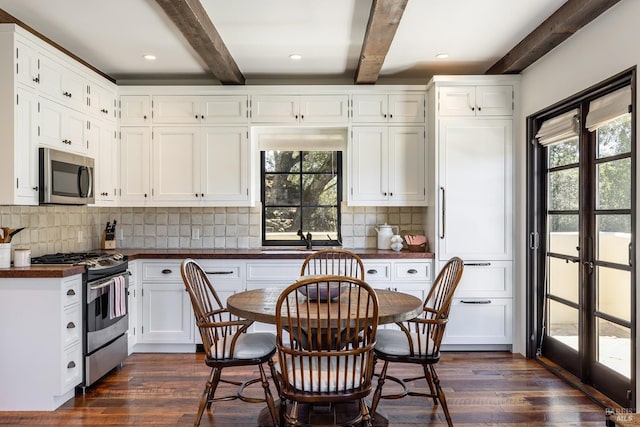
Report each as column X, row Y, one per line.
column 280, row 272
column 413, row 271
column 480, row 321
column 72, row 291
column 222, row 271
column 377, row 272
column 71, row 325
column 163, row 272
column 482, row 279
column 71, row 368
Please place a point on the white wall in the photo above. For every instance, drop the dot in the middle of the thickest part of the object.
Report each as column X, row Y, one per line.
column 605, row 47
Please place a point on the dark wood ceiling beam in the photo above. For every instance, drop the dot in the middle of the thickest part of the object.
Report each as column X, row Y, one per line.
column 194, row 23
column 383, row 22
column 564, row 22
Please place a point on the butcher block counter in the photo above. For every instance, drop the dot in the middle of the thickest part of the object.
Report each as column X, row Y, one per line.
column 56, row 271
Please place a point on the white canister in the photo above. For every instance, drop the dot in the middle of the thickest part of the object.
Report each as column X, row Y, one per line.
column 385, row 232
column 5, row 255
column 22, row 257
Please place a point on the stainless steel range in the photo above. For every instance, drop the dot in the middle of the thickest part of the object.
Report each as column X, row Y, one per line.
column 105, row 312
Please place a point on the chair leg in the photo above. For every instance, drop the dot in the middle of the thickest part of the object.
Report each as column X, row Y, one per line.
column 429, row 378
column 215, row 380
column 272, row 369
column 366, row 415
column 441, row 397
column 378, row 393
column 267, row 395
column 204, row 400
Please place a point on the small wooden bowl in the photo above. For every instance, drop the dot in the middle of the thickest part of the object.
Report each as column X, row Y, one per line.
column 417, row 248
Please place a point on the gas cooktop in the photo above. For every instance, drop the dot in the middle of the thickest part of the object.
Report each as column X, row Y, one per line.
column 93, row 260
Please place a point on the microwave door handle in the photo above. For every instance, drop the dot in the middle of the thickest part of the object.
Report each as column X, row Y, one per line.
column 81, row 170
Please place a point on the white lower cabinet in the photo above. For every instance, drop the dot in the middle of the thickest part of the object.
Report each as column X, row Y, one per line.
column 133, row 309
column 480, row 321
column 45, row 363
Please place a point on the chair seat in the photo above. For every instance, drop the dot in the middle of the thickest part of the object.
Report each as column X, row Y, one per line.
column 394, row 343
column 248, row 346
column 300, row 369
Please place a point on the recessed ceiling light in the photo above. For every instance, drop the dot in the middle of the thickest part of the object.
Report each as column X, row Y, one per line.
column 442, row 55
column 149, row 57
column 295, row 57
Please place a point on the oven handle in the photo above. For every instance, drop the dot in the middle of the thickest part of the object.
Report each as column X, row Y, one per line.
column 108, row 282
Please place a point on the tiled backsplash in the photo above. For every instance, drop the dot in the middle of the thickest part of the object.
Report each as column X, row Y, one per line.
column 52, row 229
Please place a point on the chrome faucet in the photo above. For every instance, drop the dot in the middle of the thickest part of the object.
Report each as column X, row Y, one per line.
column 306, row 239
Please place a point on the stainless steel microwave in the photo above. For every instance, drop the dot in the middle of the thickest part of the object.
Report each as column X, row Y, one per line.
column 65, row 178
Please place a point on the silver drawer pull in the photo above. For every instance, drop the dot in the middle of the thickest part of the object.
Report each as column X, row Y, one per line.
column 476, row 264
column 167, row 271
column 71, row 325
column 218, row 272
column 71, row 365
column 487, row 301
column 71, row 292
column 412, row 271
column 372, row 271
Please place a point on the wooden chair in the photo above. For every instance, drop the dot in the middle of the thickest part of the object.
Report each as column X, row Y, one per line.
column 327, row 355
column 226, row 342
column 418, row 340
column 339, row 262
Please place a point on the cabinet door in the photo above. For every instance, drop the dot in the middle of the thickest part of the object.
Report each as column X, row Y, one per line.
column 406, row 158
column 324, row 109
column 26, row 148
column 370, row 108
column 176, row 109
column 482, row 279
column 135, row 154
column 61, row 84
column 457, row 101
column 224, row 109
column 51, row 118
column 475, row 186
column 494, row 100
column 406, row 108
column 176, row 164
column 101, row 101
column 225, row 165
column 275, row 109
column 480, row 321
column 135, row 110
column 75, row 131
column 27, row 71
column 104, row 135
column 167, row 316
column 369, row 165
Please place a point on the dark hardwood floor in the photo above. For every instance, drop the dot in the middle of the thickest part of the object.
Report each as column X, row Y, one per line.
column 482, row 389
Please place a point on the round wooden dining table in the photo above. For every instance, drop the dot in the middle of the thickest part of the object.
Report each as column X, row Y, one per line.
column 260, row 305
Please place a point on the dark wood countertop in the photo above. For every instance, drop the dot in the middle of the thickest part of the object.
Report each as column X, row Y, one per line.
column 54, row 271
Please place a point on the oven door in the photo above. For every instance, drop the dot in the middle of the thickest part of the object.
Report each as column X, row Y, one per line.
column 107, row 303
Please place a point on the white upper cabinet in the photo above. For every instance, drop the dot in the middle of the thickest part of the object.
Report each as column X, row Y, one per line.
column 101, row 101
column 175, row 164
column 174, row 109
column 387, row 166
column 61, row 84
column 25, row 162
column 135, row 162
column 104, row 147
column 135, row 110
column 303, row 109
column 384, row 108
column 27, row 65
column 475, row 100
column 62, row 128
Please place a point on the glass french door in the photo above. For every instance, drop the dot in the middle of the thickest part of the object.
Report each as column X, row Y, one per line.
column 588, row 279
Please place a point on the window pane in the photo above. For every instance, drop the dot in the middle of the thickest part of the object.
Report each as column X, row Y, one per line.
column 319, row 189
column 614, row 185
column 319, row 220
column 563, row 153
column 614, row 237
column 281, row 189
column 282, row 220
column 282, row 161
column 563, row 189
column 563, row 279
column 614, row 347
column 563, row 234
column 319, row 161
column 615, row 137
column 563, row 324
column 614, row 292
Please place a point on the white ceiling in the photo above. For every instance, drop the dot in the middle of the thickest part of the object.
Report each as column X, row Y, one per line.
column 113, row 36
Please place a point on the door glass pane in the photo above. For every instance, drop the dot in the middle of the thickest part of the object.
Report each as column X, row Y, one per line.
column 613, row 238
column 563, row 234
column 563, row 153
column 614, row 184
column 563, row 324
column 563, row 279
column 614, row 292
column 563, row 189
column 614, row 347
column 614, row 137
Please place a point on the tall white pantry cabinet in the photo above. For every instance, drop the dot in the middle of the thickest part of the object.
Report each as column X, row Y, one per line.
column 470, row 138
